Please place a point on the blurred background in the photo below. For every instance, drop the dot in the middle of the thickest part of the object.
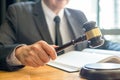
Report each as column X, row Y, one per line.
column 106, row 13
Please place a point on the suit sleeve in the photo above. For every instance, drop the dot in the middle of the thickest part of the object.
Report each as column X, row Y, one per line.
column 109, row 45
column 8, row 39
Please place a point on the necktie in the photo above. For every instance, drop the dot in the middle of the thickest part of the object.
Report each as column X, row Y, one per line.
column 58, row 39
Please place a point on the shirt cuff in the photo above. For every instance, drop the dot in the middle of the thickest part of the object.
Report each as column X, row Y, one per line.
column 12, row 60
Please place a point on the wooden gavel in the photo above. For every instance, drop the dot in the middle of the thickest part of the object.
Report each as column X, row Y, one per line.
column 92, row 35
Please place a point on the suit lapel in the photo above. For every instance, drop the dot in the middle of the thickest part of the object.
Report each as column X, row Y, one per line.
column 41, row 24
column 75, row 25
column 76, row 28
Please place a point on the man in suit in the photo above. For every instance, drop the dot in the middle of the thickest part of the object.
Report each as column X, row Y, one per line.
column 27, row 36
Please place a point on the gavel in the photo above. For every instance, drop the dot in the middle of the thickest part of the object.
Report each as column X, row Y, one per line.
column 92, row 35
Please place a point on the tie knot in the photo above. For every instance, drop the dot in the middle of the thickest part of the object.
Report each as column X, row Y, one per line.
column 57, row 19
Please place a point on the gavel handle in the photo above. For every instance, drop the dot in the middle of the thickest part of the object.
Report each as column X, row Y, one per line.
column 73, row 42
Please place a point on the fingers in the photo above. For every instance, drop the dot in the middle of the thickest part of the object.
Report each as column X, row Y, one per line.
column 41, row 54
column 35, row 55
column 48, row 49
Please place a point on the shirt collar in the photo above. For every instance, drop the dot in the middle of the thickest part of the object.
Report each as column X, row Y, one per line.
column 49, row 13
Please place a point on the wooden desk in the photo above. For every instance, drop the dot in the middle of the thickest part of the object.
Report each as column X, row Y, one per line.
column 41, row 73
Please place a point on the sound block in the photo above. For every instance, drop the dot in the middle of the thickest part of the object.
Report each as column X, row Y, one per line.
column 100, row 71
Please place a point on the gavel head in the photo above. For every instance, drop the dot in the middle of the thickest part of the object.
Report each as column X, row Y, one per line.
column 93, row 34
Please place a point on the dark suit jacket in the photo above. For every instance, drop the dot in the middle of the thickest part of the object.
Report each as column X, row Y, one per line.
column 25, row 24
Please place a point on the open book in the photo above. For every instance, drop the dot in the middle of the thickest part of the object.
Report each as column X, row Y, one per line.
column 74, row 60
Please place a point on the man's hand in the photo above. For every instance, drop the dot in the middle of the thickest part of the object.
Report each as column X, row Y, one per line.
column 35, row 55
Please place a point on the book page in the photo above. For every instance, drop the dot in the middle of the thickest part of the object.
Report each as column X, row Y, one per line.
column 101, row 51
column 74, row 60
column 112, row 59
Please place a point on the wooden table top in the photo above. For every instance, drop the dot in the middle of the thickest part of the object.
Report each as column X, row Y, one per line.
column 41, row 73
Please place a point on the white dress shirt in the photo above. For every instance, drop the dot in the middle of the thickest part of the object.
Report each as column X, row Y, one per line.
column 65, row 32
